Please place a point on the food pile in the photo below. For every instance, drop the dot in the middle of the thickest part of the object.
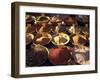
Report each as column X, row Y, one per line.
column 53, row 39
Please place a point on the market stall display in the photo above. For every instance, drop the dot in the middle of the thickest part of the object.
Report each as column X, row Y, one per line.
column 58, row 39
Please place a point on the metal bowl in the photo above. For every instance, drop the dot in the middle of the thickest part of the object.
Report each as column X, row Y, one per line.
column 42, row 39
column 42, row 19
column 29, row 38
column 81, row 54
column 60, row 39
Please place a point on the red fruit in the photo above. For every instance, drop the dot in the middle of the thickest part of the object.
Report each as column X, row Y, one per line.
column 59, row 56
